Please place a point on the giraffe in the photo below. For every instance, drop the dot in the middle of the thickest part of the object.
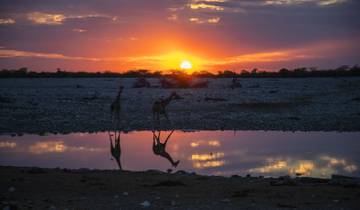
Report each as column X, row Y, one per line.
column 115, row 106
column 160, row 148
column 159, row 107
column 115, row 148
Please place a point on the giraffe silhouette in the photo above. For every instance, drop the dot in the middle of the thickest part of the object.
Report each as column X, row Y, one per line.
column 115, row 147
column 160, row 148
column 159, row 107
column 115, row 107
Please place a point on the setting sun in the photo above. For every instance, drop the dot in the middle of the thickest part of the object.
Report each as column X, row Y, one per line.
column 185, row 65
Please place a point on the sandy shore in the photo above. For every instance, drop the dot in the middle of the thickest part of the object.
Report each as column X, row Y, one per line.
column 34, row 188
column 82, row 105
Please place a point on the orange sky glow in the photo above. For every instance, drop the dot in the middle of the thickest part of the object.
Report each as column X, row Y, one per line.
column 212, row 35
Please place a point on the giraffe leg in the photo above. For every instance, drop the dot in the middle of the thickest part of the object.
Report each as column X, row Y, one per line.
column 155, row 120
column 167, row 139
column 158, row 119
column 167, row 118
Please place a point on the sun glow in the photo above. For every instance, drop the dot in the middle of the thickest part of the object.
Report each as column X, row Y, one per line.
column 180, row 60
column 185, row 65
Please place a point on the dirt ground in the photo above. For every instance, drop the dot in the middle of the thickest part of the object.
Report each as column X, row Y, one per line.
column 35, row 188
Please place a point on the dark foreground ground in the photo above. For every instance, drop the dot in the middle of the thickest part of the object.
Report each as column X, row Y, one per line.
column 34, row 188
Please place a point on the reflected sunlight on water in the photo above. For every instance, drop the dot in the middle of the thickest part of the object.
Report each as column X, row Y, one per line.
column 317, row 154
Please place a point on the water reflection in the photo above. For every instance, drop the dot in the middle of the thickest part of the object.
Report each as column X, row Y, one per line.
column 7, row 144
column 318, row 154
column 160, row 148
column 115, row 147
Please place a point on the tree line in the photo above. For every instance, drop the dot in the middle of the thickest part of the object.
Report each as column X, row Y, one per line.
column 342, row 71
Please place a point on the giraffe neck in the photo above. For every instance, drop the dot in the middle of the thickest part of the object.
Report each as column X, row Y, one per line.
column 167, row 100
column 118, row 96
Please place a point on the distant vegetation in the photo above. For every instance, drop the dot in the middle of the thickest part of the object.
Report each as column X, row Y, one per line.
column 342, row 71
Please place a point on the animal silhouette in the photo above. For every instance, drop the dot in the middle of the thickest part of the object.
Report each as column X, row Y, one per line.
column 115, row 147
column 160, row 148
column 115, row 107
column 159, row 106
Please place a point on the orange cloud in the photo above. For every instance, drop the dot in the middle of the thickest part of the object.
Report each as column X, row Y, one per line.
column 45, row 18
column 201, row 21
column 42, row 18
column 5, row 53
column 205, row 6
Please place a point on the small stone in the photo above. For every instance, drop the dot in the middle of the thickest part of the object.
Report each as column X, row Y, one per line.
column 125, row 193
column 116, row 196
column 145, row 204
column 173, row 203
column 12, row 189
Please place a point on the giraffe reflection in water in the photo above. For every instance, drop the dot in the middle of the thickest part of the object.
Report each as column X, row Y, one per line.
column 114, row 138
column 160, row 148
column 159, row 108
column 115, row 147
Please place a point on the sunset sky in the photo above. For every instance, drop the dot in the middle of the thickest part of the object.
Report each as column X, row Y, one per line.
column 118, row 35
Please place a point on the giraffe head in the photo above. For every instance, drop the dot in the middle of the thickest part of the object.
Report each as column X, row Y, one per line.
column 175, row 96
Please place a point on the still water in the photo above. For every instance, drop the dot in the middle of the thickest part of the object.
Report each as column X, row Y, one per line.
column 317, row 154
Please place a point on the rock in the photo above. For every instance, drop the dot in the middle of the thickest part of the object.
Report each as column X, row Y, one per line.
column 145, row 204
column 11, row 189
column 125, row 193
